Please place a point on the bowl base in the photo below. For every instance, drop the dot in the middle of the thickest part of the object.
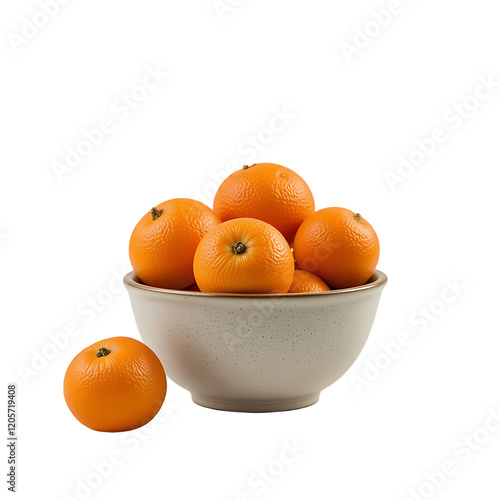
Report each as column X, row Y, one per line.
column 257, row 406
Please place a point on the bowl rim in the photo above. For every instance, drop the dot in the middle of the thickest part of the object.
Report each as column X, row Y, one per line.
column 378, row 279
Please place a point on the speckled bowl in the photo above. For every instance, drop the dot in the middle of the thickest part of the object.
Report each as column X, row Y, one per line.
column 255, row 353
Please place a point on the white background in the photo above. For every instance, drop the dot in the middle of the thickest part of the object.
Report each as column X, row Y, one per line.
column 64, row 238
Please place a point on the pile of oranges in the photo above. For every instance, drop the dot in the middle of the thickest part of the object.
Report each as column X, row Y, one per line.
column 263, row 236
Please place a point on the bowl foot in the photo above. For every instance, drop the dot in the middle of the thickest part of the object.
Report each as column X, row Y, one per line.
column 256, row 406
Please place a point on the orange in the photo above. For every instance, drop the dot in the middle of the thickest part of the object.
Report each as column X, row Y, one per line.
column 163, row 243
column 244, row 256
column 116, row 384
column 305, row 282
column 339, row 246
column 268, row 192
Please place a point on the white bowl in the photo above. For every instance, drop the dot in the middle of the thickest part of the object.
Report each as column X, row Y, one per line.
column 255, row 353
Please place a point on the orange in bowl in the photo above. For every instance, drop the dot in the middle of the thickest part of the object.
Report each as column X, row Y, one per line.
column 268, row 192
column 244, row 256
column 163, row 243
column 306, row 282
column 339, row 246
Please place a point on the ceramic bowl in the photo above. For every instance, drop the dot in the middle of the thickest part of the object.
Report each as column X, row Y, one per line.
column 255, row 353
